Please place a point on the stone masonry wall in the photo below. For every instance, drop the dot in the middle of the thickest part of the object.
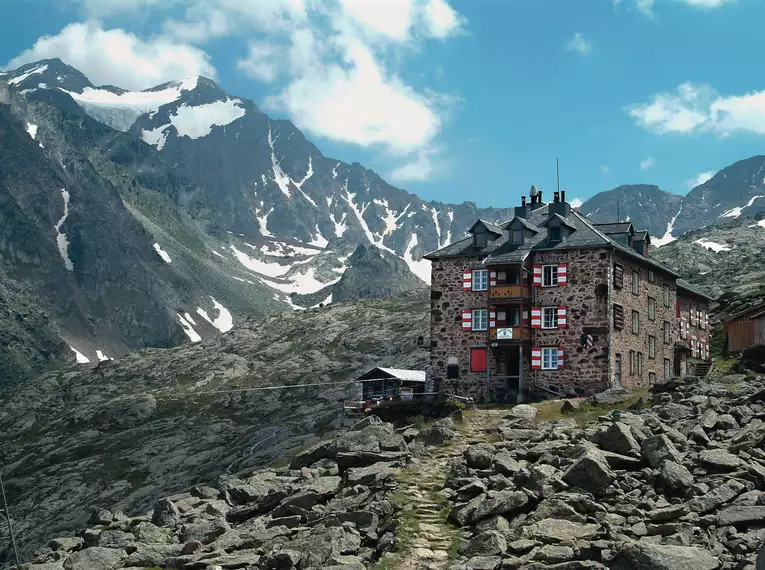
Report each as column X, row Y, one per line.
column 585, row 371
column 625, row 340
column 686, row 303
column 448, row 300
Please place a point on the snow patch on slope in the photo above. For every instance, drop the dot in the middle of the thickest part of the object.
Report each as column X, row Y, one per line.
column 420, row 268
column 23, row 76
column 736, row 212
column 263, row 220
column 716, row 247
column 162, row 253
column 188, row 329
column 359, row 211
column 302, row 283
column 102, row 357
column 340, row 226
column 81, row 358
column 61, row 239
column 258, row 266
column 761, row 224
column 196, row 121
column 281, row 179
column 319, row 240
column 667, row 237
column 32, row 130
column 224, row 321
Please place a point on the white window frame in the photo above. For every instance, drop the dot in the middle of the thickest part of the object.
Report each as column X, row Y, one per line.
column 554, row 318
column 549, row 358
column 484, row 273
column 480, row 316
column 553, row 275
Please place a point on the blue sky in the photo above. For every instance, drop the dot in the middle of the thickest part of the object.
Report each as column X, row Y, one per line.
column 451, row 99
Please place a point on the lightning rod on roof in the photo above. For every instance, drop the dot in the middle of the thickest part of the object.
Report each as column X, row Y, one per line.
column 557, row 172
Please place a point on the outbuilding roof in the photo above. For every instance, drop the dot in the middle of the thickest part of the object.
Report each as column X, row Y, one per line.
column 380, row 373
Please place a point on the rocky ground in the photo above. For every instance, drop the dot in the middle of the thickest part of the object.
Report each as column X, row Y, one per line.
column 675, row 486
column 334, row 507
column 124, row 433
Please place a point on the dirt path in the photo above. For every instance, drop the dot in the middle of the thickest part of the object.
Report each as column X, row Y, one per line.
column 427, row 537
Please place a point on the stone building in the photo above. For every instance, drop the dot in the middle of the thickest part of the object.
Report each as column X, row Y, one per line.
column 692, row 314
column 551, row 302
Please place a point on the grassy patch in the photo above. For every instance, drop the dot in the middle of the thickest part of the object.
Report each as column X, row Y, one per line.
column 724, row 366
column 586, row 411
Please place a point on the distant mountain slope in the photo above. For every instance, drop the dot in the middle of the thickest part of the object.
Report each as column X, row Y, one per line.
column 726, row 259
column 646, row 206
column 126, row 433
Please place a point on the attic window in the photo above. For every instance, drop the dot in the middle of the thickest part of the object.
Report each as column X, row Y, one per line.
column 553, row 234
column 516, row 236
column 479, row 239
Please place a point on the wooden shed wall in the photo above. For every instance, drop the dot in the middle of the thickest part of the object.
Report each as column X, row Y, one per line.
column 740, row 335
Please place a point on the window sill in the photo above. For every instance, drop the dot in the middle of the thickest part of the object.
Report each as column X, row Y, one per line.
column 479, row 290
column 549, row 328
column 549, row 286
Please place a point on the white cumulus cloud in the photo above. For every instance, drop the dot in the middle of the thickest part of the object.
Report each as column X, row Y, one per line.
column 647, row 163
column 699, row 179
column 578, row 44
column 263, row 61
column 118, row 57
column 698, row 108
column 421, row 167
column 577, row 203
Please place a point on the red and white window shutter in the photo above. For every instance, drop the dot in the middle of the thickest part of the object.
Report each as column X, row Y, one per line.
column 706, row 320
column 536, row 318
column 562, row 312
column 560, row 357
column 692, row 316
column 492, row 317
column 536, row 358
column 467, row 279
column 562, row 274
column 537, row 276
column 467, row 320
column 492, row 278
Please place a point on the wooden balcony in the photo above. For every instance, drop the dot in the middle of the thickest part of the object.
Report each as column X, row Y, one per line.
column 510, row 334
column 509, row 292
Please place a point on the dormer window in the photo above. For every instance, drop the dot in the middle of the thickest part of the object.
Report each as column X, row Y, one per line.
column 553, row 234
column 516, row 236
column 479, row 239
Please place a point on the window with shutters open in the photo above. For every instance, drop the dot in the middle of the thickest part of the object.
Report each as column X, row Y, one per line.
column 618, row 276
column 549, row 276
column 618, row 317
column 480, row 279
column 549, row 317
column 480, row 319
column 549, row 358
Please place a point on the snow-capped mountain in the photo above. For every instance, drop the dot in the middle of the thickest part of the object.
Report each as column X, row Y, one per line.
column 169, row 214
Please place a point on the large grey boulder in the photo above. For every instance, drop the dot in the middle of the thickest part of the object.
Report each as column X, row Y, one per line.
column 523, row 412
column 658, row 449
column 647, row 556
column 506, row 464
column 590, row 472
column 561, row 530
column 717, row 496
column 498, row 503
column 486, row 543
column 719, row 459
column 95, row 558
column 675, row 475
column 618, row 438
column 741, row 514
column 166, row 513
column 479, row 456
column 611, row 397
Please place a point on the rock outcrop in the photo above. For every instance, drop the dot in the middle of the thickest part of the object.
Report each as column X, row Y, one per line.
column 677, row 485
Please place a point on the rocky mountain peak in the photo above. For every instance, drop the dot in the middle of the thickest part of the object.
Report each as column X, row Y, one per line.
column 46, row 74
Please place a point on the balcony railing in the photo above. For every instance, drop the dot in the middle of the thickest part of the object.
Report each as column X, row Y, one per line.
column 510, row 333
column 509, row 292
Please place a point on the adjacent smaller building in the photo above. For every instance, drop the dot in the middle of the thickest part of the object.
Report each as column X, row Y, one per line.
column 692, row 341
column 746, row 329
column 391, row 382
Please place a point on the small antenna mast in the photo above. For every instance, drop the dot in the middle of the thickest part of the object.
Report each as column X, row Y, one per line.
column 557, row 172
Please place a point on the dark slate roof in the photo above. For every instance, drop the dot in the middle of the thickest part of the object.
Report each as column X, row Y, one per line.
column 525, row 223
column 641, row 235
column 491, row 226
column 563, row 221
column 684, row 285
column 586, row 234
column 617, row 228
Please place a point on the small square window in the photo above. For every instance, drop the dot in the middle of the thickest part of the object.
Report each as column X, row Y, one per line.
column 480, row 240
column 549, row 358
column 480, row 319
column 480, row 279
column 553, row 234
column 635, row 322
column 549, row 276
column 516, row 236
column 549, row 317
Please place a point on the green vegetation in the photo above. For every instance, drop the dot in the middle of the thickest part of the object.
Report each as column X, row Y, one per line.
column 405, row 412
column 586, row 411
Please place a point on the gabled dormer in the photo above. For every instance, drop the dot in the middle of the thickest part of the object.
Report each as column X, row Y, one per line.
column 484, row 233
column 558, row 228
column 641, row 241
column 520, row 230
column 621, row 232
